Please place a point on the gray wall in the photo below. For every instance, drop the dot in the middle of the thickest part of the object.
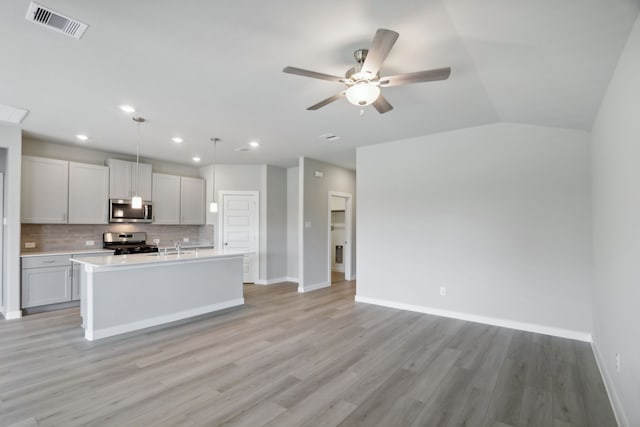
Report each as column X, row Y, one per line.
column 498, row 214
column 616, row 229
column 11, row 140
column 264, row 179
column 314, row 267
column 78, row 153
column 276, row 200
column 293, row 207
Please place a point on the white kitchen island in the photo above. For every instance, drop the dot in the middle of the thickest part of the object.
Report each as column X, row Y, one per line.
column 124, row 293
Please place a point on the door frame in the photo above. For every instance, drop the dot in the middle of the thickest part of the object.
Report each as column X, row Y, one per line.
column 347, row 252
column 220, row 198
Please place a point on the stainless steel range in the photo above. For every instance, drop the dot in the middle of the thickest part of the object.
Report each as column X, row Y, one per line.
column 127, row 243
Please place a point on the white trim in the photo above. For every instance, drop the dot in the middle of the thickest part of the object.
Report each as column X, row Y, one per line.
column 309, row 288
column 614, row 400
column 159, row 320
column 12, row 315
column 505, row 323
column 256, row 194
column 272, row 281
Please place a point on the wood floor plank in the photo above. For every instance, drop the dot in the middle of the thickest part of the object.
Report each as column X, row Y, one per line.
column 290, row 359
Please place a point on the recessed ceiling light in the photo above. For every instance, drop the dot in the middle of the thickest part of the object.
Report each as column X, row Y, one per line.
column 127, row 109
column 82, row 137
column 196, row 159
column 254, row 144
column 177, row 139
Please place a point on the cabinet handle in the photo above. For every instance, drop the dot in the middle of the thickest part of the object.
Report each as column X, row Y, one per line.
column 51, row 261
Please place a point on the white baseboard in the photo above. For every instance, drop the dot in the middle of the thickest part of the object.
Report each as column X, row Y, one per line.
column 159, row 320
column 12, row 315
column 309, row 288
column 292, row 279
column 505, row 323
column 614, row 400
column 273, row 281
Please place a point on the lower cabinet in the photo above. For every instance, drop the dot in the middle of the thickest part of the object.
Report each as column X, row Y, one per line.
column 46, row 280
column 50, row 279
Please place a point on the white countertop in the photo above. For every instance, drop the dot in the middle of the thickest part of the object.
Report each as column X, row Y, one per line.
column 68, row 252
column 114, row 261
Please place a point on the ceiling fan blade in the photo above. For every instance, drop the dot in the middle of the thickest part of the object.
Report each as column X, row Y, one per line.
column 381, row 45
column 382, row 105
column 417, row 77
column 313, row 74
column 327, row 101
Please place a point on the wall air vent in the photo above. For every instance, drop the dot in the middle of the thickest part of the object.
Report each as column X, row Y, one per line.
column 55, row 21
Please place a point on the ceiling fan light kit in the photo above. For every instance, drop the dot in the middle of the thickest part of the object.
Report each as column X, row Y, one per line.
column 363, row 80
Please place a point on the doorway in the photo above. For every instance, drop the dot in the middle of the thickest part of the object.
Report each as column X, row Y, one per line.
column 239, row 229
column 339, row 237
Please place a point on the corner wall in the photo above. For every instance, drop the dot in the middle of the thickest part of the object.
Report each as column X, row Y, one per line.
column 499, row 215
column 616, row 230
column 313, row 267
column 11, row 139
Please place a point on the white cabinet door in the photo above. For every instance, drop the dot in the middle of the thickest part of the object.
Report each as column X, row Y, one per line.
column 166, row 199
column 145, row 181
column 42, row 286
column 119, row 179
column 88, row 194
column 123, row 180
column 45, row 185
column 192, row 201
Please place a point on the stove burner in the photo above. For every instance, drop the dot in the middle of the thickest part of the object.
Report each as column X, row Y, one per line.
column 127, row 243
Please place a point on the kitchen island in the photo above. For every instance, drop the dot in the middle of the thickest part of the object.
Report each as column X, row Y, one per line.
column 124, row 293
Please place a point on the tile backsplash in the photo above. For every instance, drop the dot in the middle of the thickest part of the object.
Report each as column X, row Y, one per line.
column 53, row 237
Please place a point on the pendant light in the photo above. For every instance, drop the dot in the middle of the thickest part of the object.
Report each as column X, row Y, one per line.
column 213, row 206
column 136, row 201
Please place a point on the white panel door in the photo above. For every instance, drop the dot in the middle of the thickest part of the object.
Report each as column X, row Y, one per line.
column 239, row 230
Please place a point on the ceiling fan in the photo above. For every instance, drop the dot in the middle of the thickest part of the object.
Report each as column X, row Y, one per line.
column 363, row 80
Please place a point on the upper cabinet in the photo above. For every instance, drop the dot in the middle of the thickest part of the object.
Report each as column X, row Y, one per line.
column 61, row 192
column 45, row 184
column 88, row 193
column 192, row 201
column 178, row 200
column 123, row 176
column 166, row 199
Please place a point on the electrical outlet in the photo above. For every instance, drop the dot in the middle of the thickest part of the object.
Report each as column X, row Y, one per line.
column 156, row 241
column 29, row 245
column 185, row 239
column 307, row 224
column 89, row 243
column 443, row 291
column 617, row 362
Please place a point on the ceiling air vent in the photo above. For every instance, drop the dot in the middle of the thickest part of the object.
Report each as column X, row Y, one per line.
column 329, row 137
column 55, row 21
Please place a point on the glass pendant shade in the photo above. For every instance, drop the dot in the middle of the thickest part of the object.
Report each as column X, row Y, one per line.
column 363, row 93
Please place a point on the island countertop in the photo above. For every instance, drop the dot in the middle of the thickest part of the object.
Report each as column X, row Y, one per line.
column 117, row 261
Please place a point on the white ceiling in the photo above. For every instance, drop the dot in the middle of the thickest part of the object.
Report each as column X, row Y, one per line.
column 214, row 68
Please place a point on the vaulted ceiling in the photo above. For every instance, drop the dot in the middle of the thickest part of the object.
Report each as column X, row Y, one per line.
column 198, row 69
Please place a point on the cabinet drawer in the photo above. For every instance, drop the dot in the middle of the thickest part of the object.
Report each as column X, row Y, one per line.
column 46, row 261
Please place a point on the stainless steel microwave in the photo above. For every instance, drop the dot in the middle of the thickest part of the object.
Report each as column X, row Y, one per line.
column 121, row 211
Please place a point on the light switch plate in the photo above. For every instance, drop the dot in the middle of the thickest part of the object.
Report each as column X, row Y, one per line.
column 89, row 243
column 29, row 245
column 307, row 224
column 185, row 239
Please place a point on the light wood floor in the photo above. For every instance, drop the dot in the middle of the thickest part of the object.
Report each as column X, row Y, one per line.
column 287, row 359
